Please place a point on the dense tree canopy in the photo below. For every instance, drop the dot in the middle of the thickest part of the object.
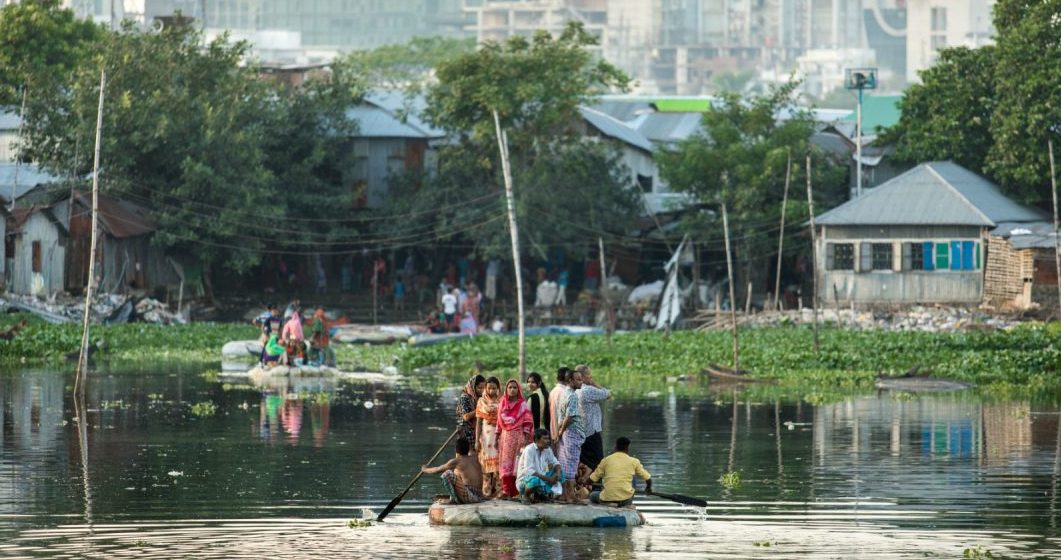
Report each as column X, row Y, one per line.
column 569, row 188
column 991, row 109
column 740, row 159
column 41, row 45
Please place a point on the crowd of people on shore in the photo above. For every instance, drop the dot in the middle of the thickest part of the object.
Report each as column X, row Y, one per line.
column 288, row 344
column 545, row 446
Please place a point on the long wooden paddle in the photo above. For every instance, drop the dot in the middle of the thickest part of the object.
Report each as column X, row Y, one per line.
column 684, row 500
column 397, row 499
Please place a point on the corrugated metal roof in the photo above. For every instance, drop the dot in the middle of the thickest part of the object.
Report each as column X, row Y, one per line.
column 409, row 110
column 668, row 127
column 29, row 177
column 374, row 122
column 120, row 218
column 1034, row 235
column 625, row 110
column 935, row 193
column 612, row 127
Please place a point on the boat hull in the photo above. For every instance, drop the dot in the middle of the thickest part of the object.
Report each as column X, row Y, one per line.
column 504, row 513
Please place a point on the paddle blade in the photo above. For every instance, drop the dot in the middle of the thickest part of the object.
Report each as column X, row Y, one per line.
column 684, row 500
column 390, row 507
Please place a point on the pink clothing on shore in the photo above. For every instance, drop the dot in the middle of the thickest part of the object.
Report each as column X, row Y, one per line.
column 293, row 329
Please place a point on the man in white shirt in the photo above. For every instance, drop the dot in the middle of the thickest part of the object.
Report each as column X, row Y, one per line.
column 538, row 476
column 449, row 308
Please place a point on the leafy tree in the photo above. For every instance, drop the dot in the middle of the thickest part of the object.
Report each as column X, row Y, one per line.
column 568, row 188
column 740, row 159
column 406, row 66
column 1028, row 101
column 991, row 108
column 955, row 101
column 41, row 44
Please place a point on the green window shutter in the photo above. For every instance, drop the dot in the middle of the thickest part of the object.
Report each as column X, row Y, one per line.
column 907, row 257
column 977, row 251
column 942, row 256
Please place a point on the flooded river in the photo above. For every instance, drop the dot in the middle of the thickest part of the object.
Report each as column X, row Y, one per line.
column 178, row 465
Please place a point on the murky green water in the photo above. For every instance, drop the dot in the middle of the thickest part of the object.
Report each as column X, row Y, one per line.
column 278, row 471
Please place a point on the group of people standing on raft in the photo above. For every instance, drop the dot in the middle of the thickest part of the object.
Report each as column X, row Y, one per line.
column 547, row 446
column 288, row 345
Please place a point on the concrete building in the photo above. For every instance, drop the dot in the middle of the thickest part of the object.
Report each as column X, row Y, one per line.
column 936, row 24
column 497, row 20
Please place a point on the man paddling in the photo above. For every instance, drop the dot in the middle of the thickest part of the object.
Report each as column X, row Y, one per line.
column 617, row 471
column 462, row 475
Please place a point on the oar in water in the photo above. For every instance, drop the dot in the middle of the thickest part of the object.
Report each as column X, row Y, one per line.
column 397, row 499
column 684, row 500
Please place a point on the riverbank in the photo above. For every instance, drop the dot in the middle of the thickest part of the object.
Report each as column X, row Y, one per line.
column 1021, row 361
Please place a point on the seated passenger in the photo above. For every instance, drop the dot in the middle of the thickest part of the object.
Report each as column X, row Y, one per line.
column 273, row 352
column 462, row 475
column 617, row 472
column 539, row 475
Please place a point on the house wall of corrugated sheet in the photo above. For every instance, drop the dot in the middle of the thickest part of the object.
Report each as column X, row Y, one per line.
column 376, row 159
column 53, row 256
column 898, row 286
column 134, row 263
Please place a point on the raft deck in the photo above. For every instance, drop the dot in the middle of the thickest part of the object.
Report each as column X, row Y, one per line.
column 505, row 513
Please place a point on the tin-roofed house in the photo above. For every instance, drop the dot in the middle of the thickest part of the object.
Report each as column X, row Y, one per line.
column 1021, row 272
column 50, row 248
column 917, row 238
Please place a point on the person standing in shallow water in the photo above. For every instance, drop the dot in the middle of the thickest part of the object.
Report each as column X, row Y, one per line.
column 515, row 426
column 486, row 414
column 466, row 403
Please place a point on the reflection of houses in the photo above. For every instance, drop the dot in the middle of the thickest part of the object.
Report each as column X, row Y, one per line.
column 48, row 247
column 917, row 238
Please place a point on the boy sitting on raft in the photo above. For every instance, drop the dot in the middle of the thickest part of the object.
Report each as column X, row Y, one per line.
column 539, row 475
column 462, row 475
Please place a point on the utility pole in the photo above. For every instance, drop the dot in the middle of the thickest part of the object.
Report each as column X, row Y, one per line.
column 781, row 236
column 506, row 170
column 859, row 79
column 732, row 294
column 82, row 360
column 1057, row 242
column 18, row 159
column 814, row 254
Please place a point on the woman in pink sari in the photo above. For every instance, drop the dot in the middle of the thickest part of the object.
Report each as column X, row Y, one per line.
column 514, row 423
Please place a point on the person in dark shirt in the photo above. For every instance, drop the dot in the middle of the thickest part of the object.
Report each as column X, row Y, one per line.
column 539, row 400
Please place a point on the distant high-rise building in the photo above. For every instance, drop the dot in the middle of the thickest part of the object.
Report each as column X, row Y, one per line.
column 936, row 24
column 497, row 20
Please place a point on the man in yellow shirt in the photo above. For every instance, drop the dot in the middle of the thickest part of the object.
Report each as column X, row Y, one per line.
column 617, row 471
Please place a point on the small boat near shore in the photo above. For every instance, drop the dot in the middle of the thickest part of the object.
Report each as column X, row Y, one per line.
column 730, row 375
column 505, row 513
column 920, row 384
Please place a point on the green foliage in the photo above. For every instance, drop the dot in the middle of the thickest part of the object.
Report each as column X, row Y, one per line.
column 730, row 480
column 732, row 81
column 41, row 342
column 550, row 159
column 740, row 159
column 495, row 78
column 204, row 409
column 406, row 66
column 977, row 552
column 41, row 44
column 954, row 101
column 991, row 108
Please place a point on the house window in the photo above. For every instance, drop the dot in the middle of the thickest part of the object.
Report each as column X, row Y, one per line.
column 645, row 182
column 939, row 19
column 914, row 256
column 964, row 255
column 37, row 256
column 942, row 256
column 840, row 256
column 882, row 256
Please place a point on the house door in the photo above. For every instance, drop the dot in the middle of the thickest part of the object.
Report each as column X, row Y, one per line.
column 77, row 251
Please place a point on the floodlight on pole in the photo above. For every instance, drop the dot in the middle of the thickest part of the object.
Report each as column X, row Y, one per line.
column 859, row 79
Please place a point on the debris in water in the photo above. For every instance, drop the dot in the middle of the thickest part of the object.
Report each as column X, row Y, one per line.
column 369, row 404
column 175, row 473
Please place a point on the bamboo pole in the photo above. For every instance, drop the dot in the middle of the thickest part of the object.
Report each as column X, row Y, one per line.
column 18, row 158
column 732, row 295
column 609, row 315
column 82, row 360
column 1057, row 242
column 813, row 253
column 502, row 145
column 781, row 236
